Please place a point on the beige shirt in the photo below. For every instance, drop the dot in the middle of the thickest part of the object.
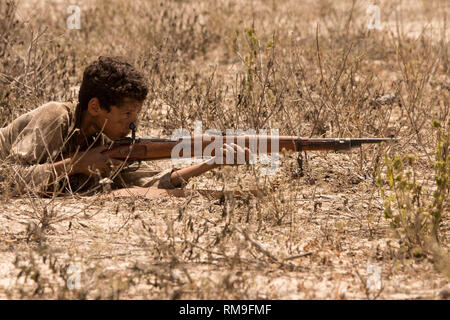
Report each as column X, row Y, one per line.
column 31, row 143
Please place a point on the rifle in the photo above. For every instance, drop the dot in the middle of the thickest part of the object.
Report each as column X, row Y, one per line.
column 132, row 149
column 156, row 148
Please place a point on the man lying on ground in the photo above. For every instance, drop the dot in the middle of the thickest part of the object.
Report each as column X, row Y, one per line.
column 58, row 146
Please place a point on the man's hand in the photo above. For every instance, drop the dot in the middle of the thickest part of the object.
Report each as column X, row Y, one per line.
column 230, row 154
column 94, row 162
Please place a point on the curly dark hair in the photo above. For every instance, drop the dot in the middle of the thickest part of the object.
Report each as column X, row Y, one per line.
column 111, row 80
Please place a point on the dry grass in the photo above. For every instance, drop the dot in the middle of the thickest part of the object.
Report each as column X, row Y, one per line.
column 308, row 68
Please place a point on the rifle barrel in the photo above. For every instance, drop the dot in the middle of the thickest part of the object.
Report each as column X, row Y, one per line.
column 337, row 144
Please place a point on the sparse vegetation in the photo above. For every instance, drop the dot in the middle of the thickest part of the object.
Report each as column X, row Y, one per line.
column 308, row 68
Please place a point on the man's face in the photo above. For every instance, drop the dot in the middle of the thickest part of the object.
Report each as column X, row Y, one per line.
column 116, row 122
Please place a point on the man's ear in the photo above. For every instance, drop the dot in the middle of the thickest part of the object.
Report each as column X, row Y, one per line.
column 94, row 108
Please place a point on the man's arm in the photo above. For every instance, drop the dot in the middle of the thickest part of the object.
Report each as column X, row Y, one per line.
column 29, row 144
column 180, row 177
column 92, row 161
column 32, row 145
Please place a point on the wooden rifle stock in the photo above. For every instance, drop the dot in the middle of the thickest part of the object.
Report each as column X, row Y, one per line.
column 153, row 149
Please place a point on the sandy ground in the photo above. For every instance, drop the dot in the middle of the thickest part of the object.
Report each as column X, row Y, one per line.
column 321, row 236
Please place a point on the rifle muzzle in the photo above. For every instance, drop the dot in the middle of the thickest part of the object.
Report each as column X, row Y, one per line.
column 337, row 144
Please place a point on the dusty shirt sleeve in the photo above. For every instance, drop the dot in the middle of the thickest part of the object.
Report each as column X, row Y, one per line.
column 146, row 179
column 37, row 146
